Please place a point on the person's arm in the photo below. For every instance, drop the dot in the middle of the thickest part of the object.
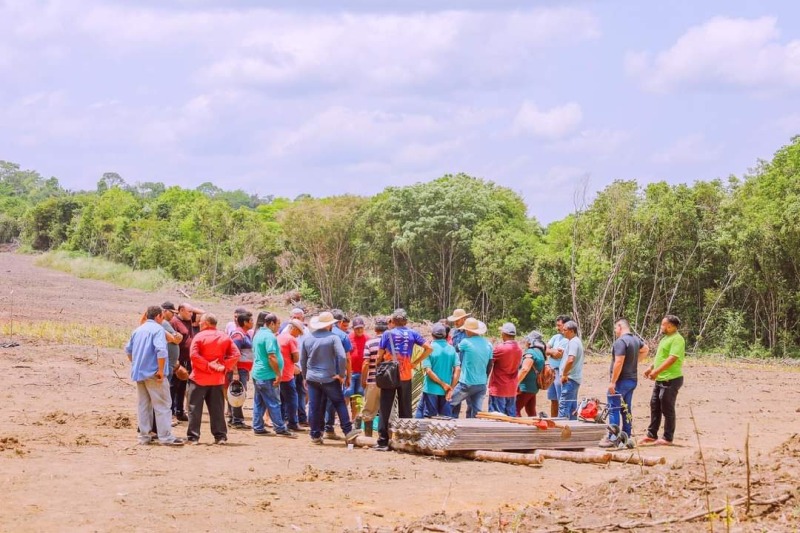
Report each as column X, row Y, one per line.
column 231, row 356
column 160, row 344
column 433, row 377
column 644, row 351
column 456, row 375
column 295, row 355
column 556, row 352
column 341, row 357
column 303, row 360
column 615, row 372
column 527, row 365
column 129, row 348
column 569, row 363
column 198, row 361
column 668, row 362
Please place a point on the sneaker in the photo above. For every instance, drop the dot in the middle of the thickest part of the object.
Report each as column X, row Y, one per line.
column 350, row 437
column 182, row 417
column 663, row 442
column 221, row 442
column 175, row 421
column 317, row 440
column 192, row 442
column 287, row 434
column 381, row 448
column 296, row 428
column 644, row 441
column 174, row 442
column 331, row 435
column 605, row 442
column 263, row 433
column 241, row 425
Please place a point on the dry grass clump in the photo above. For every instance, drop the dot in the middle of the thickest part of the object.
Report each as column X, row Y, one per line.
column 84, row 266
column 68, row 333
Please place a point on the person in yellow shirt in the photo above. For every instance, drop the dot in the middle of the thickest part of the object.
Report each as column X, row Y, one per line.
column 667, row 372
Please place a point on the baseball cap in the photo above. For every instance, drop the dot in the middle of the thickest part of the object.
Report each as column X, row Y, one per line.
column 381, row 324
column 439, row 331
column 168, row 306
column 240, row 311
column 509, row 329
column 338, row 314
column 358, row 322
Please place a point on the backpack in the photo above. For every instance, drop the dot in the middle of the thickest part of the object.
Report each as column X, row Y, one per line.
column 547, row 376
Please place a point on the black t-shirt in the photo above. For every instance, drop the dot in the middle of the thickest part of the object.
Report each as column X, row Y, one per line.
column 629, row 346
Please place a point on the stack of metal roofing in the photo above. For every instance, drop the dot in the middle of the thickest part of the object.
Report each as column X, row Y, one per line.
column 477, row 434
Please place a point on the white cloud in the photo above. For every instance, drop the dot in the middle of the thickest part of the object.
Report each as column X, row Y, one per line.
column 601, row 143
column 552, row 123
column 693, row 148
column 724, row 51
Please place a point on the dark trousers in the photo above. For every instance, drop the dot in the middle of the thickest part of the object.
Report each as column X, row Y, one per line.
column 662, row 404
column 403, row 394
column 318, row 395
column 300, row 386
column 289, row 405
column 177, row 390
column 236, row 414
column 214, row 398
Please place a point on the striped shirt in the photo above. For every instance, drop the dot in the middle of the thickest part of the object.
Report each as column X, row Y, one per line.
column 371, row 355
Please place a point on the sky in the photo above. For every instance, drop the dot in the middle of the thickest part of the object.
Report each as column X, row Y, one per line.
column 288, row 97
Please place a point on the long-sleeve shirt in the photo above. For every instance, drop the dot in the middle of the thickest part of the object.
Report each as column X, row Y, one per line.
column 212, row 345
column 322, row 356
column 147, row 345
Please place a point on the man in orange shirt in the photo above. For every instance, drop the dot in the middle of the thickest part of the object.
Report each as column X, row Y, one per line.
column 213, row 354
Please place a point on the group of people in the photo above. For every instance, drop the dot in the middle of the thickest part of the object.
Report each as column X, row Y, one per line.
column 306, row 374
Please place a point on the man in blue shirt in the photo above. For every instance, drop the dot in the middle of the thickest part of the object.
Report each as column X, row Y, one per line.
column 340, row 330
column 147, row 351
column 555, row 352
column 398, row 343
column 476, row 352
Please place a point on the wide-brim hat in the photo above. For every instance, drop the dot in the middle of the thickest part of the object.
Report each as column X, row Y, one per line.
column 473, row 325
column 458, row 314
column 322, row 320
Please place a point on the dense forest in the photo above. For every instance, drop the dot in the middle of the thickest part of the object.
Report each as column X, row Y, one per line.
column 723, row 255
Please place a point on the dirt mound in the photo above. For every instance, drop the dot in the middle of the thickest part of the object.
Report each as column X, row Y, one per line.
column 675, row 497
column 13, row 445
column 116, row 421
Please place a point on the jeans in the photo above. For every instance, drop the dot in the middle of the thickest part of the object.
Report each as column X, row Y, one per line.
column 662, row 403
column 568, row 403
column 267, row 398
column 177, row 390
column 433, row 405
column 318, row 395
column 235, row 414
column 214, row 398
column 474, row 395
column 355, row 386
column 403, row 394
column 154, row 406
column 499, row 404
column 620, row 410
column 289, row 402
column 300, row 387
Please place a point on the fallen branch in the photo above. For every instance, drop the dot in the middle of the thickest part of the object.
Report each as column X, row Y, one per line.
column 642, row 460
column 531, row 459
column 577, row 457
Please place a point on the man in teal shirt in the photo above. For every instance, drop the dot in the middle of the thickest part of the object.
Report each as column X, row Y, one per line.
column 267, row 370
column 472, row 375
column 667, row 372
column 439, row 372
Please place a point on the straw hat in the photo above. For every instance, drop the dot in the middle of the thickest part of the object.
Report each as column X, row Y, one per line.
column 323, row 320
column 458, row 314
column 473, row 325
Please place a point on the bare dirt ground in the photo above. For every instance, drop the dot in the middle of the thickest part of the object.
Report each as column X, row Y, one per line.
column 68, row 459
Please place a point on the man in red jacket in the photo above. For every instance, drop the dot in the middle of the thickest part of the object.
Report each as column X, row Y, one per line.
column 213, row 354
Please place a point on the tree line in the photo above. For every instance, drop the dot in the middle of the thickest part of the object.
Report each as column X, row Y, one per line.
column 723, row 254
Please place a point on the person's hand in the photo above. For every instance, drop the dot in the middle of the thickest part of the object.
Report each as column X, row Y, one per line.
column 277, row 381
column 612, row 388
column 653, row 375
column 159, row 376
column 449, row 395
column 216, row 366
column 648, row 373
column 447, row 388
column 347, row 383
column 338, row 378
column 564, row 380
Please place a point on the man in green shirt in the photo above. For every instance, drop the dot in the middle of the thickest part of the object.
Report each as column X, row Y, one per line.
column 667, row 372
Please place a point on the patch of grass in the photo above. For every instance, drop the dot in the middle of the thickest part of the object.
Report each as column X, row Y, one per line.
column 74, row 333
column 84, row 266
